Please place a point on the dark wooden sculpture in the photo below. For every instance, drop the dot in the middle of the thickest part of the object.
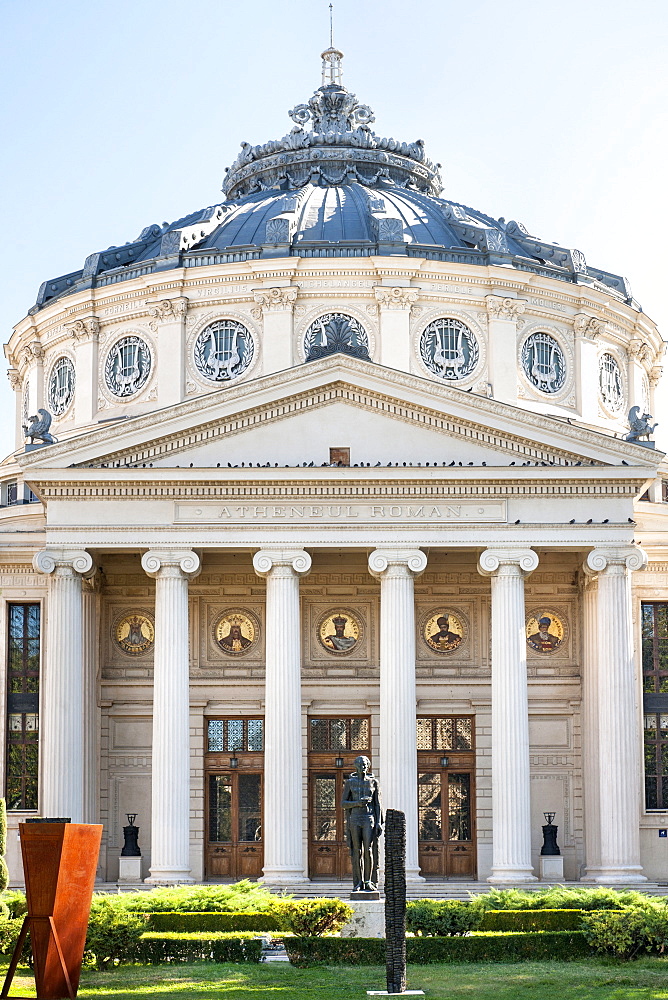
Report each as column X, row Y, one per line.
column 59, row 863
column 395, row 900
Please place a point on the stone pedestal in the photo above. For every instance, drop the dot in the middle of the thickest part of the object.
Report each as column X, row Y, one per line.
column 283, row 794
column 129, row 870
column 618, row 737
column 170, row 778
column 552, row 868
column 511, row 862
column 368, row 921
column 62, row 695
column 396, row 569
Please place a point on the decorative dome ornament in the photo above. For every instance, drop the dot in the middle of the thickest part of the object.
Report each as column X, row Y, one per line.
column 128, row 366
column 61, row 386
column 336, row 333
column 544, row 363
column 449, row 349
column 223, row 350
column 610, row 382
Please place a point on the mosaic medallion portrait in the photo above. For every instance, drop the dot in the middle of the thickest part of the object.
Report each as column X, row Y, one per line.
column 340, row 631
column 546, row 631
column 443, row 630
column 134, row 633
column 235, row 631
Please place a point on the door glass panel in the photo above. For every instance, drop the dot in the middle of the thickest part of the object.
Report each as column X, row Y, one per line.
column 459, row 806
column 250, row 814
column 444, row 731
column 359, row 734
column 324, row 807
column 220, row 808
column 338, row 734
column 235, row 734
column 429, row 806
column 423, row 734
column 255, row 735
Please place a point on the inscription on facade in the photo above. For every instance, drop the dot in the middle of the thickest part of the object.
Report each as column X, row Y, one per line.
column 210, row 512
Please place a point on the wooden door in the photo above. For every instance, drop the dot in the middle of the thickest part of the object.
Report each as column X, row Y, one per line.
column 234, row 842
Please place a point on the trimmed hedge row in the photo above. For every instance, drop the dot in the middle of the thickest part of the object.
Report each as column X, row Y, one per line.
column 532, row 920
column 216, row 921
column 535, row 946
column 153, row 948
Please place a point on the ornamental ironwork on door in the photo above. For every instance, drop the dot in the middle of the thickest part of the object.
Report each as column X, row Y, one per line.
column 445, row 797
column 233, row 768
column 334, row 743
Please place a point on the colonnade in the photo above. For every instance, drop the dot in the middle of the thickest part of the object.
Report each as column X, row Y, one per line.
column 610, row 716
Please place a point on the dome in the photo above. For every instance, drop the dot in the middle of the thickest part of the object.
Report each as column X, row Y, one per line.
column 336, row 189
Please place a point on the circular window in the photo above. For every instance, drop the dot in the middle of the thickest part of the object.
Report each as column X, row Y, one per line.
column 61, row 386
column 223, row 351
column 610, row 383
column 543, row 362
column 336, row 333
column 449, row 349
column 128, row 366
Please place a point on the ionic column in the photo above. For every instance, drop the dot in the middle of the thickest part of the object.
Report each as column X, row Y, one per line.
column 85, row 333
column 169, row 323
column 275, row 307
column 504, row 315
column 62, row 688
column 395, row 305
column 618, row 735
column 283, row 792
column 590, row 694
column 170, row 767
column 511, row 850
column 396, row 570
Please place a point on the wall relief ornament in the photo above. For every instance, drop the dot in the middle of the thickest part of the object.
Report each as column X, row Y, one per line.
column 336, row 333
column 274, row 299
column 60, row 388
column 449, row 349
column 610, row 383
column 543, row 362
column 340, row 631
column 443, row 630
column 546, row 631
column 134, row 633
column 84, row 329
column 127, row 366
column 588, row 326
column 223, row 350
column 396, row 298
column 505, row 308
column 235, row 631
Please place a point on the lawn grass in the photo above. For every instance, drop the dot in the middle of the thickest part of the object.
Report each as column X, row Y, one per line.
column 646, row 979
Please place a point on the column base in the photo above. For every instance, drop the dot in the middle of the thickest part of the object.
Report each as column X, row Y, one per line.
column 414, row 878
column 619, row 876
column 169, row 876
column 511, row 876
column 283, row 876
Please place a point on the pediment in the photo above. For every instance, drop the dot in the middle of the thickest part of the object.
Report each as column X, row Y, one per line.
column 292, row 419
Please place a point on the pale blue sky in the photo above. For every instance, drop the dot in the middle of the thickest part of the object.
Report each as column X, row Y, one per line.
column 118, row 115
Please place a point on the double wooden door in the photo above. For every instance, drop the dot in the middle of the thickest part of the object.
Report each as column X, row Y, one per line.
column 445, row 818
column 329, row 856
column 234, row 831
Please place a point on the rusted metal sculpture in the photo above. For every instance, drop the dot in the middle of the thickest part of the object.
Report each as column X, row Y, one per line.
column 59, row 863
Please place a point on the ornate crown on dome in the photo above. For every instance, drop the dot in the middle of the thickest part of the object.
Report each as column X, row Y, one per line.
column 340, row 148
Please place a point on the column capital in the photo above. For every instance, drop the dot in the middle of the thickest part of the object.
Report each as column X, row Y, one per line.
column 505, row 308
column 491, row 561
column 79, row 561
column 412, row 560
column 623, row 556
column 395, row 298
column 267, row 560
column 156, row 561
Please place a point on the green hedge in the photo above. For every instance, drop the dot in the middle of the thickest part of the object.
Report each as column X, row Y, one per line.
column 532, row 920
column 154, row 948
column 629, row 933
column 216, row 921
column 234, row 898
column 479, row 947
column 560, row 897
column 441, row 918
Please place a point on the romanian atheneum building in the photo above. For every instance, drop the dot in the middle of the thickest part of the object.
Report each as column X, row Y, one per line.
column 338, row 466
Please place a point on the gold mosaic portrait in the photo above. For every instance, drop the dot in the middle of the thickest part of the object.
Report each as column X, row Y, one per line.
column 545, row 631
column 134, row 633
column 444, row 630
column 235, row 631
column 340, row 631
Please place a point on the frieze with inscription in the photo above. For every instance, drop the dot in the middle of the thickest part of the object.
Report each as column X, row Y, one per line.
column 191, row 512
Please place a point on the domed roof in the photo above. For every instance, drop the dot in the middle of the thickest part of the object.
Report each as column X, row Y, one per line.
column 337, row 190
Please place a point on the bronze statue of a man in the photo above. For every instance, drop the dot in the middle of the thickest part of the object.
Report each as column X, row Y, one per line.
column 361, row 800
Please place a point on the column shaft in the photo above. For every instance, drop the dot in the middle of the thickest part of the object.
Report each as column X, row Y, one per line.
column 511, row 802
column 170, row 766
column 283, row 792
column 62, row 687
column 90, row 707
column 590, row 735
column 398, row 739
column 618, row 735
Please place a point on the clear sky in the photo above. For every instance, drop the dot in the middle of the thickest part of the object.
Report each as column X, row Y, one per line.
column 118, row 115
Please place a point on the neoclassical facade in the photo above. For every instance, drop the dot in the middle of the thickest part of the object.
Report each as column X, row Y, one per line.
column 340, row 466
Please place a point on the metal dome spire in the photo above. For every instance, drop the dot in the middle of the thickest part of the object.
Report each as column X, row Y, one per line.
column 332, row 72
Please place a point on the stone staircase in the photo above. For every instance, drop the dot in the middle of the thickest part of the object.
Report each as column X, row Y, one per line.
column 450, row 889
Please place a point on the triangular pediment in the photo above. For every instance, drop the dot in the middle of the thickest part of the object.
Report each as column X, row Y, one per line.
column 294, row 418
